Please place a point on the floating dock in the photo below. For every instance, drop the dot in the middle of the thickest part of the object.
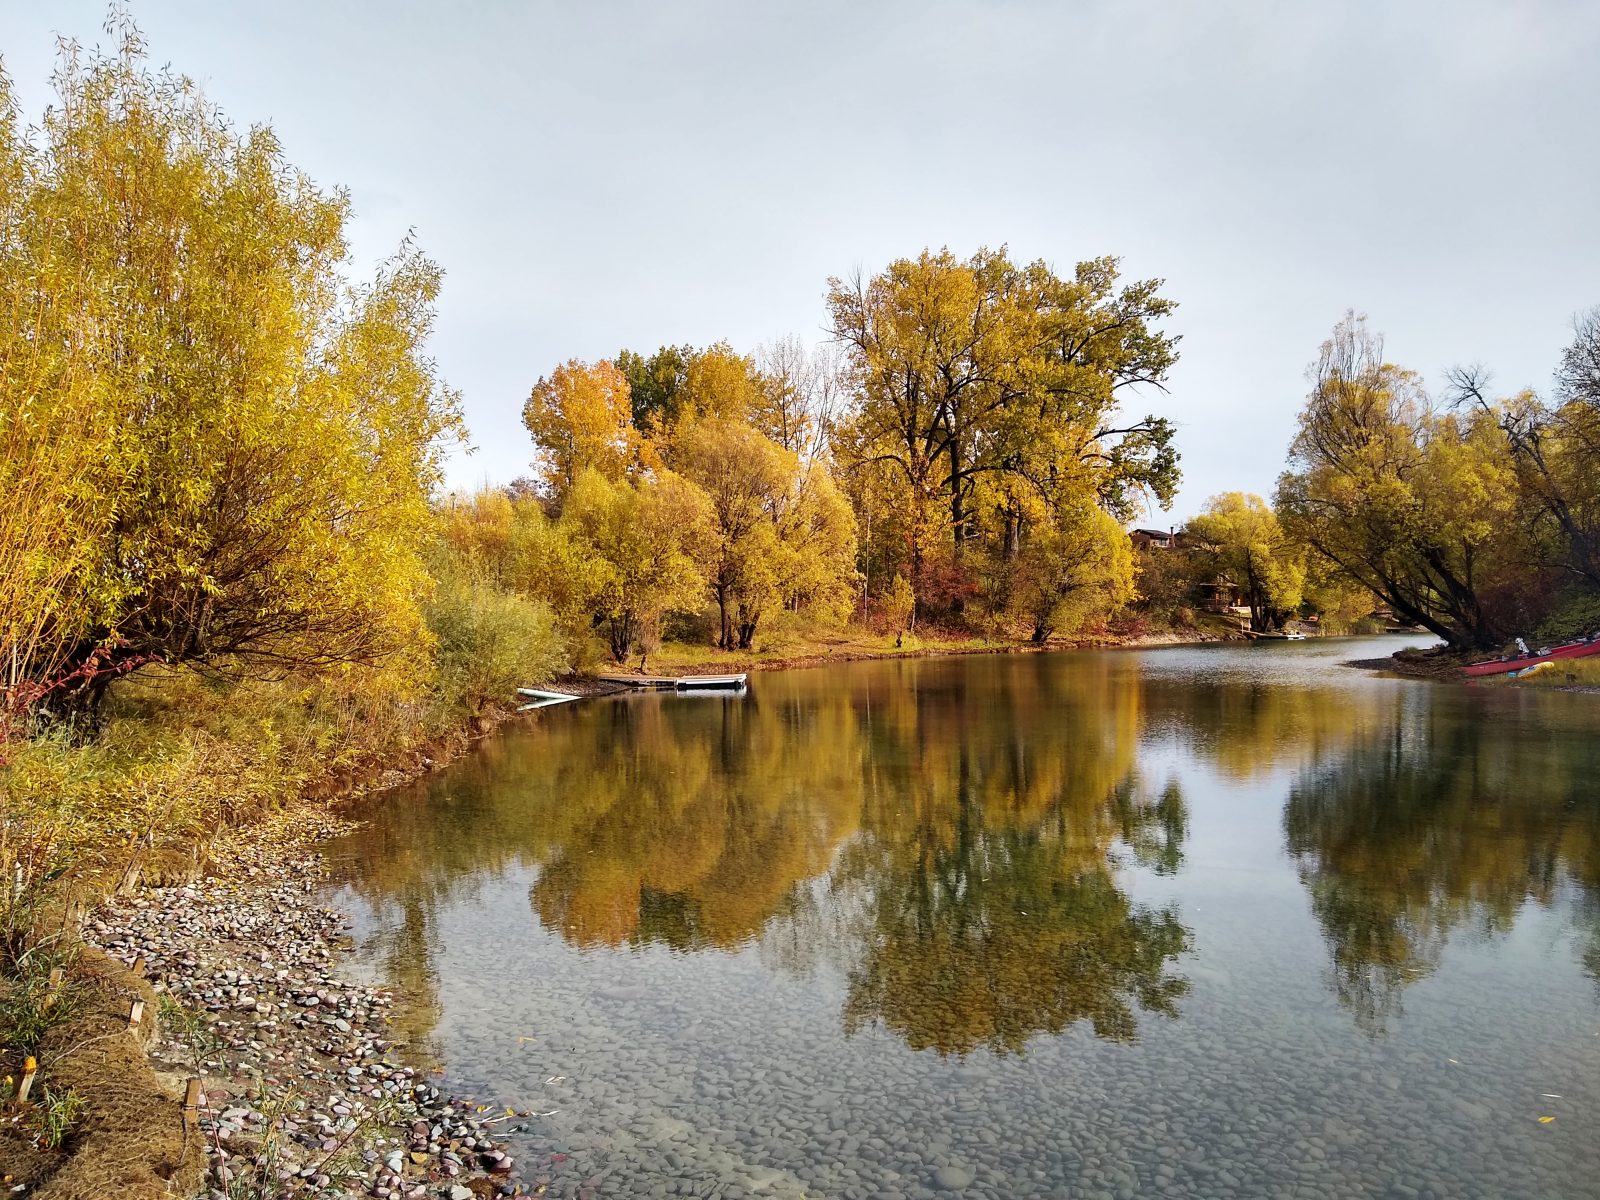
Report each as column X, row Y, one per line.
column 681, row 683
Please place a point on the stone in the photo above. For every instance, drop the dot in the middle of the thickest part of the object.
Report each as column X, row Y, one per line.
column 953, row 1177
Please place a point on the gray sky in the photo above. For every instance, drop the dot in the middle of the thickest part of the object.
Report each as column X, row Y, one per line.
column 594, row 175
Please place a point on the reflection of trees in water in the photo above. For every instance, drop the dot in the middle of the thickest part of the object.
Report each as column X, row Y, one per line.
column 1248, row 728
column 674, row 829
column 993, row 934
column 1446, row 820
column 989, row 907
column 947, row 835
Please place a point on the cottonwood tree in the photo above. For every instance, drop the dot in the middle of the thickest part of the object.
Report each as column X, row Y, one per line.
column 581, row 418
column 989, row 394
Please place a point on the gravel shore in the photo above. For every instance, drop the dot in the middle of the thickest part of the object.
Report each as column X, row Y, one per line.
column 303, row 1092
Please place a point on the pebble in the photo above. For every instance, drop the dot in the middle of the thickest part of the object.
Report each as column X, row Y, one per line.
column 953, row 1178
column 233, row 951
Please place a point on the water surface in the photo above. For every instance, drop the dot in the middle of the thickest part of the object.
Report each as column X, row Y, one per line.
column 1182, row 922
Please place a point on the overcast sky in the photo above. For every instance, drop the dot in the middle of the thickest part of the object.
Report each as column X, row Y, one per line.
column 596, row 175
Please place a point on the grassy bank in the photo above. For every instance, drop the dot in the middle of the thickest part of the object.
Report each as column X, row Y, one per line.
column 855, row 643
column 1580, row 676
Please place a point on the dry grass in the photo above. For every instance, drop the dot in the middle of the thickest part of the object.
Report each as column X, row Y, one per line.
column 1583, row 673
column 130, row 1140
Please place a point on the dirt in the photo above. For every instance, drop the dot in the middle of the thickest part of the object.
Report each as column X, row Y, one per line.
column 131, row 1141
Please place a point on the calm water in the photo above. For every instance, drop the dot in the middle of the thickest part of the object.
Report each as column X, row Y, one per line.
column 1184, row 922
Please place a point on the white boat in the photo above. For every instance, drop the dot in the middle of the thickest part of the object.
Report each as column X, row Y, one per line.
column 538, row 698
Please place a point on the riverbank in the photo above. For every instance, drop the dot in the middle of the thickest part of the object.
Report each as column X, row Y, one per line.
column 1581, row 678
column 216, row 868
column 303, row 1090
column 676, row 658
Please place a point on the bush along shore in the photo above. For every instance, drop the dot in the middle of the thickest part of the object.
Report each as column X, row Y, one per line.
column 302, row 1090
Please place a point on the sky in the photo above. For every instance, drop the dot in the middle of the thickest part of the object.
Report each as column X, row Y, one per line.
column 597, row 175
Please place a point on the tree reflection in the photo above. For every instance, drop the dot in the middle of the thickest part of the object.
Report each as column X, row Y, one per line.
column 948, row 836
column 993, row 935
column 992, row 909
column 1447, row 820
column 674, row 828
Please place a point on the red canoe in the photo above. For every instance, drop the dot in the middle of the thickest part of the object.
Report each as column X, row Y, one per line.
column 1503, row 666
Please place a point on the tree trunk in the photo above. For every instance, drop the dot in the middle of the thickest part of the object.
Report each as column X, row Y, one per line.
column 620, row 633
column 958, row 515
column 725, row 632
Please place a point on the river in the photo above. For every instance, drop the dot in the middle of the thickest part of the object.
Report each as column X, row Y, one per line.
column 1211, row 921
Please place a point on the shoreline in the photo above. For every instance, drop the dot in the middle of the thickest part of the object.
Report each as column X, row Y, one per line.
column 302, row 1088
column 750, row 661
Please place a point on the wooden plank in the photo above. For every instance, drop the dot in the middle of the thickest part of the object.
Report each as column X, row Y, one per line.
column 191, row 1103
column 30, row 1068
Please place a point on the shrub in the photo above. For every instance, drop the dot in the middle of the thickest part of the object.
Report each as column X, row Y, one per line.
column 490, row 642
column 1576, row 614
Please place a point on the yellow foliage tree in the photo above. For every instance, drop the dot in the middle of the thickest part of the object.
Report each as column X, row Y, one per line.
column 263, row 437
column 1239, row 536
column 581, row 418
column 1415, row 504
column 642, row 540
column 1074, row 572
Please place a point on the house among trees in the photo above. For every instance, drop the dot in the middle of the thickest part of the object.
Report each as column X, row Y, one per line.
column 1153, row 539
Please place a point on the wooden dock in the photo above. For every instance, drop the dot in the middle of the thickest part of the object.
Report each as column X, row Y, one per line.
column 680, row 683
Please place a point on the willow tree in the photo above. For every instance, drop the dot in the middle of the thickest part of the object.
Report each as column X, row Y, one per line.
column 1415, row 504
column 1556, row 446
column 746, row 478
column 643, row 544
column 264, row 435
column 52, row 518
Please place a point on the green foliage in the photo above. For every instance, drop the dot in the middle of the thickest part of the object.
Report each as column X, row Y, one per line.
column 1574, row 614
column 654, row 384
column 1238, row 537
column 489, row 642
column 56, row 1114
column 29, row 1007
